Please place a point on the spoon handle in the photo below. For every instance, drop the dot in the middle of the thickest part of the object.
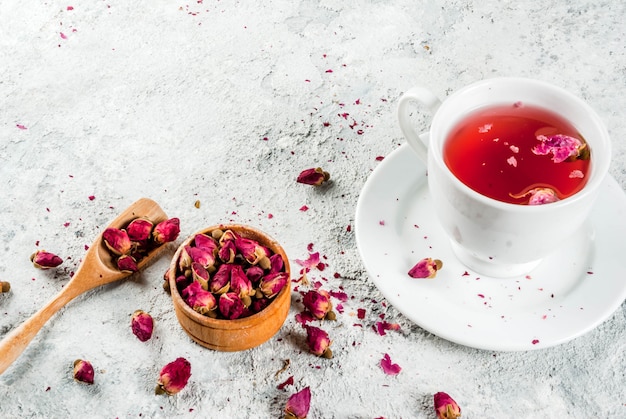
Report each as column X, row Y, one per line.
column 18, row 339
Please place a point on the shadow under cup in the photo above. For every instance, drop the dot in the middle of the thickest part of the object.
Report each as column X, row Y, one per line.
column 501, row 239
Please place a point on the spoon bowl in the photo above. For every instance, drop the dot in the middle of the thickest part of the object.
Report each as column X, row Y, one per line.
column 97, row 268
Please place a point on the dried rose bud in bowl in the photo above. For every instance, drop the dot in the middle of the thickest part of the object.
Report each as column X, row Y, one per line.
column 231, row 287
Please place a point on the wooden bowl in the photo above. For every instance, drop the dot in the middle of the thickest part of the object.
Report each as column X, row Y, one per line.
column 238, row 334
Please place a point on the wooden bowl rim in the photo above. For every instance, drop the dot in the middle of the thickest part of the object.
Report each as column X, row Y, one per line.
column 245, row 322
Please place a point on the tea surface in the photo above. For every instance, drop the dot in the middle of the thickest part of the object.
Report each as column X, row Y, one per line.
column 518, row 154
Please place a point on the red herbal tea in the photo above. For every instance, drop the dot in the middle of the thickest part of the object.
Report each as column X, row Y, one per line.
column 519, row 154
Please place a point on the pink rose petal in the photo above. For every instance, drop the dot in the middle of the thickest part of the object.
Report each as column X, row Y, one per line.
column 383, row 326
column 388, row 367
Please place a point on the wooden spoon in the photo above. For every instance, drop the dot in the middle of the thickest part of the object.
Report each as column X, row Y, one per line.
column 97, row 268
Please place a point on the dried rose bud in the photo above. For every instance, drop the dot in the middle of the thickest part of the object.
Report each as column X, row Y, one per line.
column 227, row 252
column 254, row 274
column 259, row 304
column 83, row 371
column 251, row 250
column 200, row 275
column 318, row 341
column 142, row 325
column 182, row 282
column 426, row 268
column 202, row 255
column 4, row 287
column 272, row 284
column 220, row 282
column 117, row 241
column 45, row 260
column 540, row 196
column 205, row 242
column 239, row 282
column 314, row 177
column 225, row 236
column 231, row 306
column 276, row 263
column 318, row 303
column 139, row 229
column 166, row 231
column 446, row 407
column 126, row 263
column 199, row 299
column 173, row 377
column 184, row 260
column 298, row 404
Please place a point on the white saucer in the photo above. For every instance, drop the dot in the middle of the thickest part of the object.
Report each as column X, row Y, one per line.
column 571, row 292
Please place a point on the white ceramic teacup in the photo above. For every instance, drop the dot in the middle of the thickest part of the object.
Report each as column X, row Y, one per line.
column 491, row 237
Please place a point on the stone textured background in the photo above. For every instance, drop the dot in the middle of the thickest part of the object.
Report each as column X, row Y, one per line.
column 225, row 102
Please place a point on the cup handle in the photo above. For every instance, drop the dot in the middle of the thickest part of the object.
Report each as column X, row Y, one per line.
column 426, row 98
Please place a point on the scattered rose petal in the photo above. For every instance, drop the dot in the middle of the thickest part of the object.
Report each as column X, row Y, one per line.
column 512, row 161
column 20, row 126
column 576, row 174
column 360, row 313
column 426, row 268
column 304, row 208
column 311, row 262
column 383, row 326
column 304, row 317
column 535, row 341
column 445, row 406
column 298, row 404
column 287, row 382
column 485, row 128
column 388, row 367
column 340, row 295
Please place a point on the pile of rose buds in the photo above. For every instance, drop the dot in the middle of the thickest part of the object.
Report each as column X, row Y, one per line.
column 223, row 275
column 131, row 244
